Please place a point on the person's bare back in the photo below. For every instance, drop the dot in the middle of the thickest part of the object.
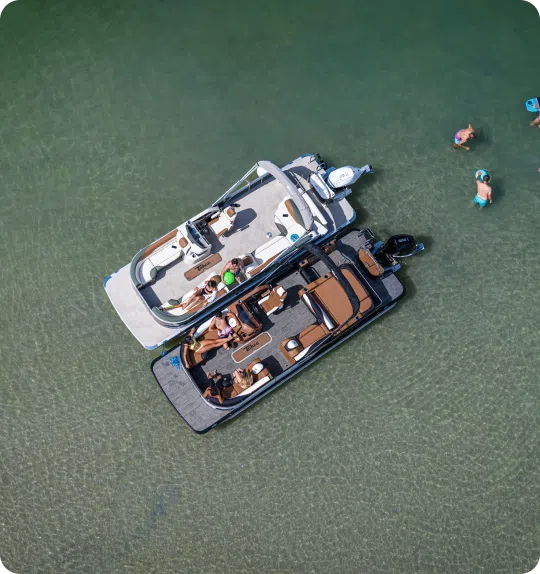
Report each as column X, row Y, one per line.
column 483, row 190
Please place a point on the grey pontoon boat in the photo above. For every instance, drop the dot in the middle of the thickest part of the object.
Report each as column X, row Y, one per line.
column 305, row 309
column 264, row 220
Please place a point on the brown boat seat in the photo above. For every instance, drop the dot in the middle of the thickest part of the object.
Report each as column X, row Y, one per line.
column 330, row 294
column 293, row 348
column 366, row 303
column 242, row 328
column 374, row 268
column 272, row 300
column 192, row 358
column 259, row 379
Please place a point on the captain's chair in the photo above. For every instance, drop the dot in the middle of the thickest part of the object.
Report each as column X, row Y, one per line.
column 224, row 222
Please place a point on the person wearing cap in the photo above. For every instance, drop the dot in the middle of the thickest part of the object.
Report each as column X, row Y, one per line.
column 215, row 387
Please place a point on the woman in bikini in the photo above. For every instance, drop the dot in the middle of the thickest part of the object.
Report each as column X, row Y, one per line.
column 243, row 378
column 204, row 346
column 207, row 293
column 225, row 331
column 462, row 136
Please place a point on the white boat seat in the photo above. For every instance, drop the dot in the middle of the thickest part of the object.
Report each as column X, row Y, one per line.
column 221, row 290
column 224, row 222
column 254, row 386
column 266, row 253
column 158, row 259
column 321, row 225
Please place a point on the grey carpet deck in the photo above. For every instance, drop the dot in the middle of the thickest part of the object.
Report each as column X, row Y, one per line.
column 290, row 321
column 183, row 394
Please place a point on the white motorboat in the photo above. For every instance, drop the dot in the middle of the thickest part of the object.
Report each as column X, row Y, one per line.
column 264, row 220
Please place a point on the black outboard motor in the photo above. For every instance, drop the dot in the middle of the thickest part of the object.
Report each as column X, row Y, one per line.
column 400, row 246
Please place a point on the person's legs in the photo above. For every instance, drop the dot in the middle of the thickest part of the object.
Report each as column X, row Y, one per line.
column 207, row 345
column 192, row 301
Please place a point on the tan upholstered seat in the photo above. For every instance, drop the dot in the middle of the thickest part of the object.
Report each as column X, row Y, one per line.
column 373, row 267
column 331, row 295
column 272, row 300
column 305, row 339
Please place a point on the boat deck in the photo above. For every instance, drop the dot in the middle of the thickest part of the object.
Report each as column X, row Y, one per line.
column 133, row 313
column 183, row 388
column 255, row 218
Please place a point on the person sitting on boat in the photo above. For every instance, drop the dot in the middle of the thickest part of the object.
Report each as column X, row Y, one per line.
column 234, row 266
column 207, row 293
column 462, row 136
column 220, row 324
column 483, row 189
column 242, row 380
column 215, row 387
column 204, row 346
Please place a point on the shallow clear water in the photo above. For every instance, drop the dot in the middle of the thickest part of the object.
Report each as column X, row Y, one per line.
column 412, row 448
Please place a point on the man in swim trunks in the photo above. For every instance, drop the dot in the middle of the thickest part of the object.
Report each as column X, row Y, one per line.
column 536, row 121
column 462, row 136
column 220, row 324
column 483, row 189
column 234, row 266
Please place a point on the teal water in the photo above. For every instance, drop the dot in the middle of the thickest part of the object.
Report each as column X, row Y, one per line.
column 413, row 448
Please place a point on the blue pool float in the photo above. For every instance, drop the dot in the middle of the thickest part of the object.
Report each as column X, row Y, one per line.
column 482, row 173
column 533, row 105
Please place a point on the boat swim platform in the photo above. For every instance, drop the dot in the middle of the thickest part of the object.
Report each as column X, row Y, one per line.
column 131, row 309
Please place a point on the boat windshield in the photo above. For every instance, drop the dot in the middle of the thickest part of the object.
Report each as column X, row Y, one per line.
column 195, row 236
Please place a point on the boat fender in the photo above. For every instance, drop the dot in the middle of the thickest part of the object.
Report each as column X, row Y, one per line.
column 481, row 175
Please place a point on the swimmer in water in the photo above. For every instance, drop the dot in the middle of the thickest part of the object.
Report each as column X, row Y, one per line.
column 483, row 189
column 536, row 121
column 462, row 136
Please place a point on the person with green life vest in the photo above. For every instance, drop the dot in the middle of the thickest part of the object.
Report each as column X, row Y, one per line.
column 233, row 267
